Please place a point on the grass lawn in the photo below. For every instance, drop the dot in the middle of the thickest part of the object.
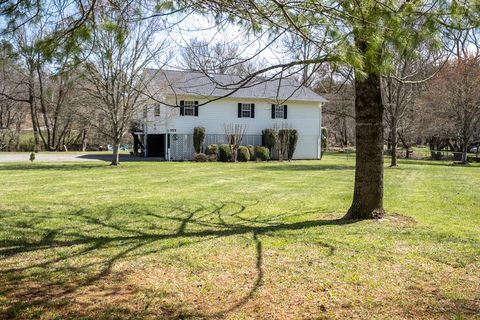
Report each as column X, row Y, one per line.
column 237, row 241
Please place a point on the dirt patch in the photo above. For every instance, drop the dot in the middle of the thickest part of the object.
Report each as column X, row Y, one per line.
column 398, row 219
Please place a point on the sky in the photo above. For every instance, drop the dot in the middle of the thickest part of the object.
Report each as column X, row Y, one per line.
column 205, row 28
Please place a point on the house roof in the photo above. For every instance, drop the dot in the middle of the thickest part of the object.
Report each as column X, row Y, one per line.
column 198, row 84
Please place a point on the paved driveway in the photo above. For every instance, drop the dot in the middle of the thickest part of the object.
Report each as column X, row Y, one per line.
column 68, row 156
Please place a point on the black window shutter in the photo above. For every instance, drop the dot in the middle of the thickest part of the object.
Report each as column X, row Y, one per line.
column 239, row 110
column 196, row 109
column 252, row 114
column 273, row 111
column 182, row 111
column 285, row 111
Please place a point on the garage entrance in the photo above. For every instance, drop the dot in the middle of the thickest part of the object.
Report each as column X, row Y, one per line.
column 156, row 145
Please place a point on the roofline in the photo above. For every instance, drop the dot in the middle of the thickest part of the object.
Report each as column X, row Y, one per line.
column 322, row 100
column 244, row 97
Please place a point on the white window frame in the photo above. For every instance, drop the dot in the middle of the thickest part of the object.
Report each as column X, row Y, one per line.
column 189, row 108
column 279, row 111
column 246, row 110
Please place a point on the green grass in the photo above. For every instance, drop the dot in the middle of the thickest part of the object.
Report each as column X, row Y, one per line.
column 237, row 241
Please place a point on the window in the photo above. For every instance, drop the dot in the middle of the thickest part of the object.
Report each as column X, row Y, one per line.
column 189, row 108
column 189, row 111
column 279, row 111
column 246, row 110
column 156, row 111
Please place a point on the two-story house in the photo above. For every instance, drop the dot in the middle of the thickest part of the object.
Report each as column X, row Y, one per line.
column 192, row 99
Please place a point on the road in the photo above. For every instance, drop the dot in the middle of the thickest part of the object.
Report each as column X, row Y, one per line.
column 68, row 156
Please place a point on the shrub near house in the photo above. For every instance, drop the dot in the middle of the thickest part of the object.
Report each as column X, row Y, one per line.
column 212, row 152
column 243, row 154
column 225, row 153
column 200, row 157
column 262, row 153
column 251, row 150
column 198, row 138
column 292, row 143
column 285, row 140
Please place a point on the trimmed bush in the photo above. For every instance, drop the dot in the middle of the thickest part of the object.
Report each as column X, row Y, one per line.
column 243, row 154
column 198, row 138
column 212, row 152
column 269, row 136
column 251, row 150
column 282, row 143
column 200, row 157
column 225, row 153
column 212, row 149
column 262, row 153
column 292, row 143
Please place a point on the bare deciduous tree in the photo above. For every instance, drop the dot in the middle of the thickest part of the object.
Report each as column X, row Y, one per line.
column 454, row 99
column 12, row 113
column 122, row 47
column 398, row 97
column 221, row 58
column 336, row 85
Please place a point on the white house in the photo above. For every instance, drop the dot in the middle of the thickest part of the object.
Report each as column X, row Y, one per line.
column 192, row 99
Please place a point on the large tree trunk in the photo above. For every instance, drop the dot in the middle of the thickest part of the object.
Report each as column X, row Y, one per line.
column 368, row 190
column 394, row 144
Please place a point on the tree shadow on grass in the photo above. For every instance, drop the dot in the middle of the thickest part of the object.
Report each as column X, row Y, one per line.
column 61, row 166
column 286, row 166
column 433, row 163
column 123, row 158
column 83, row 252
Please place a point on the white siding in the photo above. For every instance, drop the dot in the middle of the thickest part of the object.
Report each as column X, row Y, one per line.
column 303, row 116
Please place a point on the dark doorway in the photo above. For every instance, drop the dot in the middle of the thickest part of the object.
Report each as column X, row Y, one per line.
column 156, row 145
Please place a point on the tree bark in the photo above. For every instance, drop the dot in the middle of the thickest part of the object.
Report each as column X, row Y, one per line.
column 49, row 145
column 464, row 153
column 33, row 109
column 84, row 139
column 18, row 130
column 368, row 191
column 116, row 154
column 393, row 162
